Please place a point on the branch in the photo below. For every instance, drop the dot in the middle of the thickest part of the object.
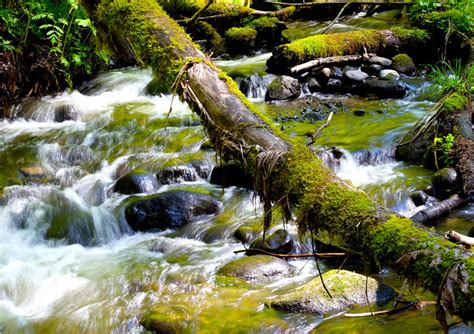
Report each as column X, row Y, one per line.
column 262, row 251
column 459, row 238
column 316, row 134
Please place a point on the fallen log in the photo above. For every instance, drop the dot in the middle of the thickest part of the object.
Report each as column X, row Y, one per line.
column 383, row 42
column 286, row 173
column 438, row 210
column 459, row 238
column 328, row 61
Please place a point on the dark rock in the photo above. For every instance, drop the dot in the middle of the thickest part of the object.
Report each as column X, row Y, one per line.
column 313, row 85
column 313, row 116
column 419, row 197
column 231, row 175
column 347, row 289
column 389, row 75
column 170, row 209
column 323, row 75
column 257, row 267
column 403, row 63
column 385, row 62
column 334, row 85
column 283, row 88
column 135, row 182
column 280, row 242
column 381, row 88
column 382, row 112
column 336, row 73
column 372, row 69
column 359, row 112
column 445, row 183
column 177, row 174
column 356, row 75
column 66, row 112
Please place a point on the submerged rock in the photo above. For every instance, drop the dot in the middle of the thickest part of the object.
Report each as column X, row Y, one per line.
column 244, row 234
column 419, row 197
column 280, row 242
column 231, row 175
column 445, row 183
column 177, row 174
column 283, row 88
column 257, row 267
column 167, row 319
column 404, row 64
column 171, row 209
column 135, row 182
column 347, row 288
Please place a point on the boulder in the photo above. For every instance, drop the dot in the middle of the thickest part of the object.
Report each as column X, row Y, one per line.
column 356, row 75
column 334, row 85
column 135, row 182
column 445, row 183
column 283, row 88
column 323, row 75
column 257, row 267
column 384, row 62
column 381, row 88
column 389, row 75
column 231, row 175
column 244, row 234
column 177, row 174
column 347, row 288
column 372, row 69
column 419, row 197
column 313, row 85
column 403, row 63
column 66, row 112
column 279, row 242
column 336, row 73
column 171, row 209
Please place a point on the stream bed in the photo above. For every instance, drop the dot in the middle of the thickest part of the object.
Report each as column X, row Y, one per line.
column 60, row 157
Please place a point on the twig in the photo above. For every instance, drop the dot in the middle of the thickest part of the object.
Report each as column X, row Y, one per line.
column 198, row 14
column 337, row 17
column 258, row 250
column 387, row 312
column 313, row 137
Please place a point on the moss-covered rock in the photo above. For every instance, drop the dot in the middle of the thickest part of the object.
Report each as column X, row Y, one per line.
column 283, row 88
column 279, row 242
column 403, row 63
column 167, row 319
column 240, row 39
column 347, row 289
column 213, row 41
column 257, row 267
column 445, row 183
column 455, row 102
column 346, row 43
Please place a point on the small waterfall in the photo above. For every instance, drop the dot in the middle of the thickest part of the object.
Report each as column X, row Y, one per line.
column 255, row 87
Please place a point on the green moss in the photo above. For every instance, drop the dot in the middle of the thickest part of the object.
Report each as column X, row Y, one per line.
column 454, row 20
column 339, row 44
column 241, row 35
column 214, row 41
column 263, row 22
column 455, row 102
column 131, row 19
column 286, row 13
column 402, row 59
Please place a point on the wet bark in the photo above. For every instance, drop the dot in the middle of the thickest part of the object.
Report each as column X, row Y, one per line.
column 438, row 210
column 286, row 173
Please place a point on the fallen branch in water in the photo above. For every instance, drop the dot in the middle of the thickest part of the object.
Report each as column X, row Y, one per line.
column 440, row 209
column 459, row 238
column 329, row 61
column 392, row 311
column 316, row 134
column 262, row 251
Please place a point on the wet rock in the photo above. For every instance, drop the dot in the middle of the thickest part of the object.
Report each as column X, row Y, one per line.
column 334, row 85
column 313, row 85
column 389, row 75
column 381, row 88
column 177, row 174
column 283, row 88
column 66, row 112
column 280, row 242
column 337, row 73
column 135, row 182
column 310, row 115
column 323, row 75
column 166, row 319
column 257, row 267
column 372, row 69
column 244, row 234
column 445, row 183
column 359, row 112
column 170, row 209
column 347, row 288
column 385, row 62
column 231, row 175
column 403, row 63
column 419, row 197
column 356, row 75
column 33, row 172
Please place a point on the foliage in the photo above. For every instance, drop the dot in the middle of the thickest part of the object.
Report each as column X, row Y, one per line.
column 450, row 78
column 445, row 145
column 61, row 26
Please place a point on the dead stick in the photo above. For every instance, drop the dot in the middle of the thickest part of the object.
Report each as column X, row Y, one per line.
column 459, row 238
column 258, row 250
column 337, row 17
column 384, row 312
column 313, row 137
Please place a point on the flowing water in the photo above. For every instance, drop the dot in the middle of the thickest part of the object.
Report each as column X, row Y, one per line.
column 60, row 157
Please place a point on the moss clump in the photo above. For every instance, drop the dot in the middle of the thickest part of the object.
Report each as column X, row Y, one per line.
column 241, row 35
column 214, row 41
column 256, row 268
column 454, row 20
column 402, row 59
column 132, row 20
column 339, row 44
column 455, row 102
column 167, row 319
column 263, row 22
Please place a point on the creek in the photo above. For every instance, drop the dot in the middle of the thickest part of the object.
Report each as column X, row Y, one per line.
column 61, row 155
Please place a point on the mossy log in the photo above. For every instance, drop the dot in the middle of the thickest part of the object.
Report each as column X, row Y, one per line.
column 286, row 173
column 383, row 42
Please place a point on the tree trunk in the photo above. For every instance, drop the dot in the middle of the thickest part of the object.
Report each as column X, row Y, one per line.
column 286, row 173
column 438, row 210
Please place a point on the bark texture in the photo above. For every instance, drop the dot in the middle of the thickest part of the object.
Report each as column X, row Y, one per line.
column 287, row 174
